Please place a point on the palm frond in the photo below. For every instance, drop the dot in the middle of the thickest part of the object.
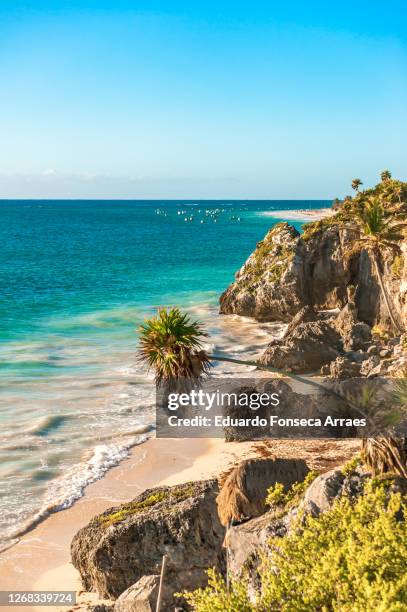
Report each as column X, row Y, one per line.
column 171, row 344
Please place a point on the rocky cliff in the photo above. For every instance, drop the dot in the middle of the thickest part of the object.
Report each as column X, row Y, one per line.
column 288, row 271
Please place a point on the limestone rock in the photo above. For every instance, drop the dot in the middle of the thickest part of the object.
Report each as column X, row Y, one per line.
column 369, row 364
column 128, row 541
column 139, row 597
column 343, row 368
column 100, row 606
column 288, row 271
column 327, row 487
column 308, row 347
column 306, row 314
column 270, row 284
column 246, row 541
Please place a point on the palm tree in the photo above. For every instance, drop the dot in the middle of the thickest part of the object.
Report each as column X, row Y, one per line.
column 385, row 175
column 172, row 344
column 356, row 183
column 379, row 230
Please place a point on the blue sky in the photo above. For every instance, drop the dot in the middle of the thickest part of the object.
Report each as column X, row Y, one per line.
column 200, row 99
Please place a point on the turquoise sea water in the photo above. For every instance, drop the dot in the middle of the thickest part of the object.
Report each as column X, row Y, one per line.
column 76, row 278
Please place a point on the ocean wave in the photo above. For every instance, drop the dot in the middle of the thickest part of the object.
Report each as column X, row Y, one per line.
column 48, row 424
column 63, row 492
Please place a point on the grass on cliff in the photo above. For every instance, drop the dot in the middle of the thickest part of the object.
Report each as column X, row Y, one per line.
column 352, row 558
column 175, row 496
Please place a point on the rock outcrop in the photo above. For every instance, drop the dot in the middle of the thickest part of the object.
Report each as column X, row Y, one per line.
column 270, row 285
column 288, row 271
column 309, row 346
column 127, row 542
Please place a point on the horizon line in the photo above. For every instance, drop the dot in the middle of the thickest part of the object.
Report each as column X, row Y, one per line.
column 166, row 199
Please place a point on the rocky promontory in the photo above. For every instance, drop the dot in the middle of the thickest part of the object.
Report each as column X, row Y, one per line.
column 341, row 284
column 288, row 271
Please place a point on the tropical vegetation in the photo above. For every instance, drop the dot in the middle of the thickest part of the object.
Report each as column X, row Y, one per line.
column 351, row 558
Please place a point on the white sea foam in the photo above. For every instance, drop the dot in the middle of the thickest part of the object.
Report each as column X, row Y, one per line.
column 63, row 492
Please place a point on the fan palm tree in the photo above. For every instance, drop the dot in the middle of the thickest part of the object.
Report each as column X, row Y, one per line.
column 171, row 344
column 385, row 175
column 378, row 230
column 356, row 183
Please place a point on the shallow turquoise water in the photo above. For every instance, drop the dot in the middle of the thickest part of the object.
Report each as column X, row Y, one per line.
column 76, row 278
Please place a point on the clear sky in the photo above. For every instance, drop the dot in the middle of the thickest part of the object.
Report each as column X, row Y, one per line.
column 200, row 99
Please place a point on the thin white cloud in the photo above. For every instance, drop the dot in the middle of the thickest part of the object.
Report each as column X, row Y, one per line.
column 49, row 172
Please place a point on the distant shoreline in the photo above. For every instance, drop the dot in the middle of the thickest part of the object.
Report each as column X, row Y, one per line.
column 315, row 214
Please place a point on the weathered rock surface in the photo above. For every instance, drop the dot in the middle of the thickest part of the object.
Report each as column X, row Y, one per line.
column 305, row 315
column 343, row 368
column 355, row 334
column 292, row 404
column 99, row 606
column 270, row 285
column 139, row 597
column 127, row 542
column 248, row 541
column 309, row 346
column 287, row 272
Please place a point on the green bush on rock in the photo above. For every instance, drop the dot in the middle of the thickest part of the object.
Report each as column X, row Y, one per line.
column 352, row 558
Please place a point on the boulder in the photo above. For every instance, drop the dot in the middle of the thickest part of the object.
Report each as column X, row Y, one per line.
column 306, row 314
column 139, row 597
column 308, row 347
column 343, row 368
column 127, row 542
column 327, row 487
column 355, row 334
column 369, row 364
column 245, row 542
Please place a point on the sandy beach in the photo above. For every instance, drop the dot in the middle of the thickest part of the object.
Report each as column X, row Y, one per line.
column 300, row 215
column 41, row 559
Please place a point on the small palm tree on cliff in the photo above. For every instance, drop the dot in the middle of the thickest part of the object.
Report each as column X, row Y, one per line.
column 385, row 175
column 356, row 184
column 378, row 230
column 171, row 344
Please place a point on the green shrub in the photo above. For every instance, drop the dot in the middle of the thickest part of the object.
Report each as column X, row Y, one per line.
column 351, row 466
column 352, row 558
column 277, row 497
